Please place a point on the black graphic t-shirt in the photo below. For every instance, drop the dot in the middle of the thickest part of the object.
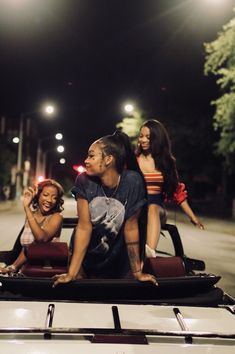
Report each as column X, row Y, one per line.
column 107, row 256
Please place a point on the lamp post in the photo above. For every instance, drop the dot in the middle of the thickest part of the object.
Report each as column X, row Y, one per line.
column 49, row 110
column 19, row 158
column 61, row 161
column 40, row 158
column 60, row 149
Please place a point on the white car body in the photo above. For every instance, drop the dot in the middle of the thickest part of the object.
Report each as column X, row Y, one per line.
column 35, row 327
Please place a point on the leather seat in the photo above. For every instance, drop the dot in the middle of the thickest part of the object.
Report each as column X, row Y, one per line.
column 46, row 259
column 165, row 266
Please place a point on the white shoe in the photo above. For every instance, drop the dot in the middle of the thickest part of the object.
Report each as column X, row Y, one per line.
column 149, row 252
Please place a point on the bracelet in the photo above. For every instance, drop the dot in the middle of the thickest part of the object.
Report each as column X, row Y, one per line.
column 136, row 271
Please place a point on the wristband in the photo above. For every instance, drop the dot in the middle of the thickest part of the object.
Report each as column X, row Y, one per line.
column 136, row 271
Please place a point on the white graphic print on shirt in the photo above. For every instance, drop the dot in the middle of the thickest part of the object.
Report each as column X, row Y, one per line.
column 107, row 219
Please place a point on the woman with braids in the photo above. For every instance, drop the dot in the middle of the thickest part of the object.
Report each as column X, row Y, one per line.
column 43, row 220
column 111, row 205
column 159, row 168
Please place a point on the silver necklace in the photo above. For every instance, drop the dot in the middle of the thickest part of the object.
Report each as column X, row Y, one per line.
column 107, row 199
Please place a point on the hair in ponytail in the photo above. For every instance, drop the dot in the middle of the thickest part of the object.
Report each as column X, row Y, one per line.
column 119, row 146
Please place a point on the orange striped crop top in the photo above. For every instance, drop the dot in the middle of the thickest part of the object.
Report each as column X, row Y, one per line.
column 154, row 182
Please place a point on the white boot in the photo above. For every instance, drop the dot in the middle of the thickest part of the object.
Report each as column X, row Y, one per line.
column 149, row 252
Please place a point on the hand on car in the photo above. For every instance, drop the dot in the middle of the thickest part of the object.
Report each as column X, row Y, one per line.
column 146, row 277
column 61, row 279
column 8, row 269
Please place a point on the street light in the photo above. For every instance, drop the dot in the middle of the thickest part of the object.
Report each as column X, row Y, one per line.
column 16, row 140
column 49, row 109
column 59, row 136
column 60, row 148
column 62, row 161
column 129, row 108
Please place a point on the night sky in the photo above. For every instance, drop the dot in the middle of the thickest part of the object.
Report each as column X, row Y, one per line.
column 89, row 57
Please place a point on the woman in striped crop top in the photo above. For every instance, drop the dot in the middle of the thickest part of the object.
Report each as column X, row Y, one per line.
column 159, row 168
column 43, row 222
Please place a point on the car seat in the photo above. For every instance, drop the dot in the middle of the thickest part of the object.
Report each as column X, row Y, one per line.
column 46, row 259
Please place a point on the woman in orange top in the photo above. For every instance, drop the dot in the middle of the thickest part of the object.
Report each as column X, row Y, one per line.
column 159, row 168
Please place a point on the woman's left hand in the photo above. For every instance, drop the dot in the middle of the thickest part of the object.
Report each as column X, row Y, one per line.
column 61, row 279
column 197, row 222
column 146, row 277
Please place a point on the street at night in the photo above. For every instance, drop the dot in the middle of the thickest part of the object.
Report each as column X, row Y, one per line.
column 117, row 170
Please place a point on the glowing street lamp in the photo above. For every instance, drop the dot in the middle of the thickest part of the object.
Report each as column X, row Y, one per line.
column 129, row 108
column 62, row 161
column 49, row 109
column 16, row 140
column 59, row 136
column 60, row 148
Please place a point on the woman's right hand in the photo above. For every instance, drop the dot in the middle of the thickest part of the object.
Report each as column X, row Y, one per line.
column 196, row 222
column 146, row 277
column 8, row 269
column 61, row 279
column 28, row 196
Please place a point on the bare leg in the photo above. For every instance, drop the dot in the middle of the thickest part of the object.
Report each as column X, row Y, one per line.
column 157, row 217
column 154, row 225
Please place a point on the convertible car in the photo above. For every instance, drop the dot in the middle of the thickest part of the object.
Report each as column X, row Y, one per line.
column 180, row 278
column 186, row 310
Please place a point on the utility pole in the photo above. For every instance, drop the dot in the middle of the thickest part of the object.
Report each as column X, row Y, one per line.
column 19, row 158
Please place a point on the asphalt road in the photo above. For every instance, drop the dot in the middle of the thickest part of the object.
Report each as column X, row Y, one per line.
column 215, row 245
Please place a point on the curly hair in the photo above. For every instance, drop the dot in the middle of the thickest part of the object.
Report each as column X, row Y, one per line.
column 160, row 149
column 46, row 183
